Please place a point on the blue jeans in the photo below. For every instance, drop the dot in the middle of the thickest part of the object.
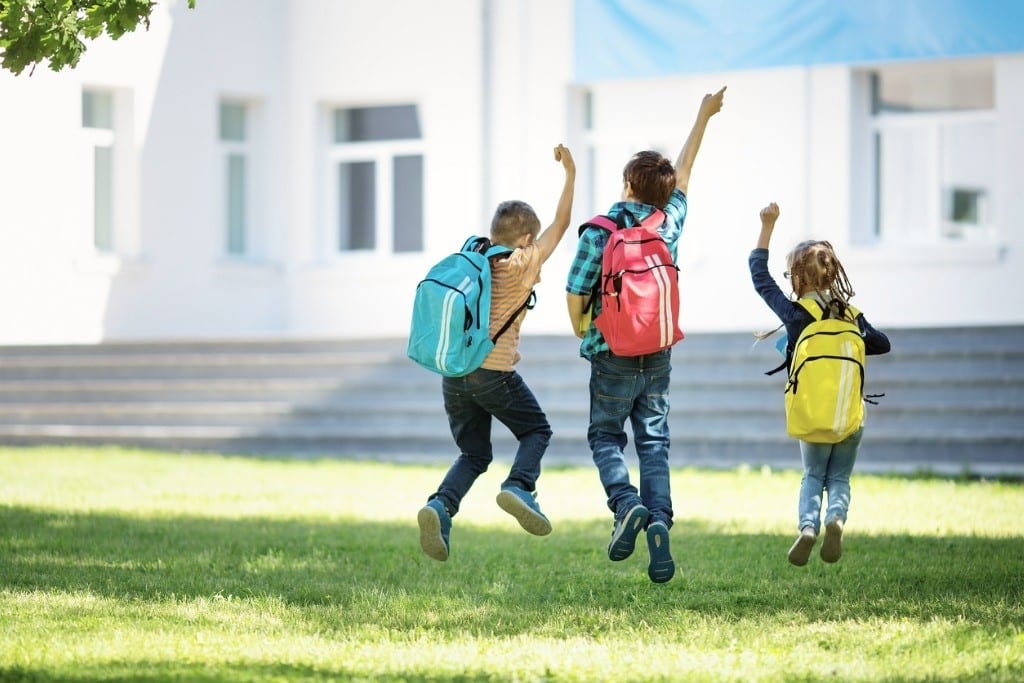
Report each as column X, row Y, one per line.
column 827, row 467
column 470, row 403
column 637, row 389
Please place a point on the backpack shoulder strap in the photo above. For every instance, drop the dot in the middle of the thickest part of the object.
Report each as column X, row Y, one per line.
column 655, row 220
column 530, row 302
column 600, row 221
column 497, row 250
column 811, row 306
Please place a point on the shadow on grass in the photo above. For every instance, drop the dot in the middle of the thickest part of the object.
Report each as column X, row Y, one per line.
column 344, row 579
column 308, row 562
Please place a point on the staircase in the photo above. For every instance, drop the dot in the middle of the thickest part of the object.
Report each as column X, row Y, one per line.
column 954, row 400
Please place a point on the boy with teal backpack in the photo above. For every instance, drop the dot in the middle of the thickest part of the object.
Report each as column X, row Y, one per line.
column 450, row 331
column 479, row 386
column 827, row 341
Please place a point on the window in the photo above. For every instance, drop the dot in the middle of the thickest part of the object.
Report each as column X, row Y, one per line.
column 934, row 137
column 98, row 128
column 376, row 163
column 234, row 140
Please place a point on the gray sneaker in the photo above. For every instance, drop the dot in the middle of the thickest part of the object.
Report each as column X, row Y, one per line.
column 625, row 531
column 662, row 567
column 435, row 526
column 523, row 506
column 800, row 551
column 832, row 547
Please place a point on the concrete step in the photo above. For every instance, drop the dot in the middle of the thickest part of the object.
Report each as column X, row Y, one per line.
column 953, row 397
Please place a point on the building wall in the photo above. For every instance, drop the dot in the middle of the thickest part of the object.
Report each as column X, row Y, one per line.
column 493, row 81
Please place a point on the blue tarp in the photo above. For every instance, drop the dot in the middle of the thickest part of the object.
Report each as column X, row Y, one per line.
column 642, row 38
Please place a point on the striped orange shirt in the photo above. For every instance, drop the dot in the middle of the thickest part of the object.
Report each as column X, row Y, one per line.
column 512, row 280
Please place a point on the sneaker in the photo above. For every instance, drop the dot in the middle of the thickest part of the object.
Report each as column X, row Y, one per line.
column 800, row 552
column 523, row 506
column 625, row 531
column 435, row 526
column 832, row 547
column 662, row 567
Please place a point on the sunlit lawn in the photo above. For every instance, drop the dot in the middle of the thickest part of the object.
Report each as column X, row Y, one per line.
column 126, row 565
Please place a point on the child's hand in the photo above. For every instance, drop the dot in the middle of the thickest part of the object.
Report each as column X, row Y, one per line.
column 712, row 104
column 563, row 154
column 769, row 215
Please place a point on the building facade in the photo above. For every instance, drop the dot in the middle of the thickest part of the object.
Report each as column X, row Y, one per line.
column 260, row 169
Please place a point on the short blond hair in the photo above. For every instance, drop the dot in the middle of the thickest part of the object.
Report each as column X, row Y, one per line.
column 513, row 219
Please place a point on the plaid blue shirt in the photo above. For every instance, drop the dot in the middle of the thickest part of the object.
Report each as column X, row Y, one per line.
column 585, row 271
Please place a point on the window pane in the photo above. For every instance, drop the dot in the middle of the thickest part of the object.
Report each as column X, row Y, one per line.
column 97, row 109
column 103, row 198
column 904, row 179
column 946, row 86
column 968, row 177
column 408, row 207
column 356, row 205
column 400, row 122
column 232, row 121
column 236, row 203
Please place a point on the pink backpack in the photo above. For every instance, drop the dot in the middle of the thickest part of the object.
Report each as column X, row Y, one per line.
column 639, row 287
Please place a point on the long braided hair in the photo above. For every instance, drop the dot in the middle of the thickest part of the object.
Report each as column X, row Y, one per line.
column 814, row 266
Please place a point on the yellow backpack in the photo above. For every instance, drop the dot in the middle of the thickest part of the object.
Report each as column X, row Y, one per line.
column 825, row 391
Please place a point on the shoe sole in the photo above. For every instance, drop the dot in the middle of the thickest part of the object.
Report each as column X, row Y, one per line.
column 662, row 566
column 832, row 548
column 528, row 518
column 430, row 534
column 624, row 541
column 800, row 552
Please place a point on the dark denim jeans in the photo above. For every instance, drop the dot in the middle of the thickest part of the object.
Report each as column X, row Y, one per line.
column 470, row 403
column 637, row 389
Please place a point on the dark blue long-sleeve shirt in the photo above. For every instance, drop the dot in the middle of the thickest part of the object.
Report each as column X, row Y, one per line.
column 794, row 317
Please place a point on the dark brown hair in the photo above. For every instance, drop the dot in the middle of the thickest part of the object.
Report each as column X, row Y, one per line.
column 651, row 178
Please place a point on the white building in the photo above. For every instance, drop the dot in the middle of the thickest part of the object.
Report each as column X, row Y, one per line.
column 258, row 168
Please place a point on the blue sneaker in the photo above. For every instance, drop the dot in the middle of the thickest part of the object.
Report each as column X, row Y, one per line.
column 662, row 567
column 625, row 531
column 435, row 526
column 523, row 506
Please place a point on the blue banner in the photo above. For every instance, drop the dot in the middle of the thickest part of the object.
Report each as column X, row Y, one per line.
column 643, row 38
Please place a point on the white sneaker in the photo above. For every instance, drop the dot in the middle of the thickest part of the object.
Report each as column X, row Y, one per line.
column 832, row 547
column 800, row 552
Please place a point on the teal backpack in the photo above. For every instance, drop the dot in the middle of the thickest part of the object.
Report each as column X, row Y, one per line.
column 451, row 311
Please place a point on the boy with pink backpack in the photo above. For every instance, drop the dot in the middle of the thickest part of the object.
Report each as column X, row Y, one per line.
column 623, row 300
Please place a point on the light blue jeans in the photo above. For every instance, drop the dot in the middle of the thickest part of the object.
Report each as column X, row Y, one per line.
column 827, row 467
column 634, row 389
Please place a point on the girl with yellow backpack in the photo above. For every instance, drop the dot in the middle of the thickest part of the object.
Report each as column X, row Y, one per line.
column 827, row 340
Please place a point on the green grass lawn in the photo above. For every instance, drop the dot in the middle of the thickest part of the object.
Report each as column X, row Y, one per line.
column 123, row 565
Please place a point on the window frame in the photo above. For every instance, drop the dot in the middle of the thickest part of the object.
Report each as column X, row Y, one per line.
column 95, row 138
column 246, row 149
column 938, row 226
column 382, row 154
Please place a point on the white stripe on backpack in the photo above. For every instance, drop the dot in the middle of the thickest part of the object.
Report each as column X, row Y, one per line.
column 444, row 343
column 664, row 311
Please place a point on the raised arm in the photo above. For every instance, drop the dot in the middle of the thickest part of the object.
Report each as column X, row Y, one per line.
column 769, row 215
column 550, row 238
column 709, row 106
